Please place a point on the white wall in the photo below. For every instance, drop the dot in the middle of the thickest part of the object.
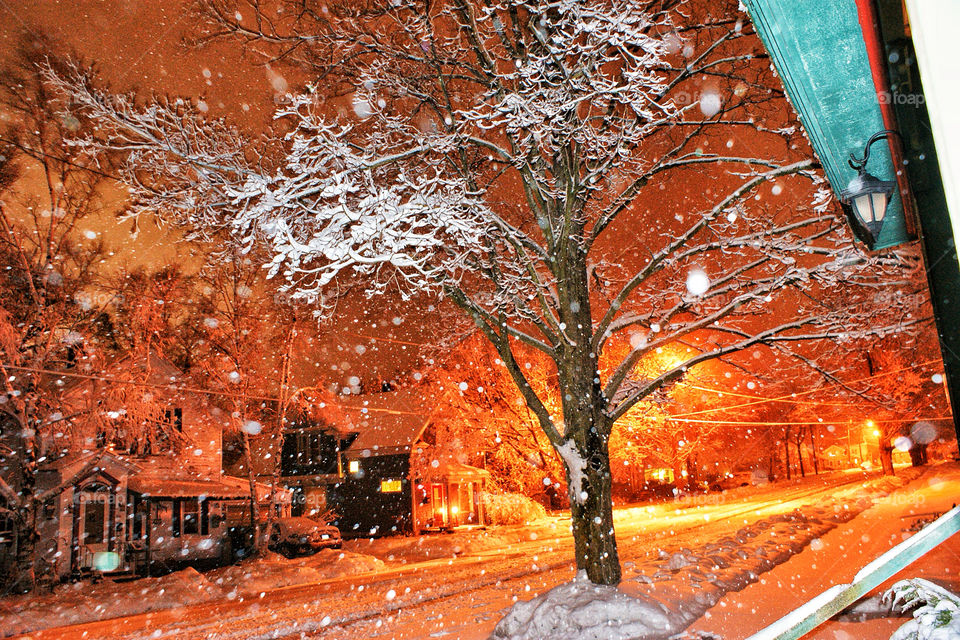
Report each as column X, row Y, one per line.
column 934, row 26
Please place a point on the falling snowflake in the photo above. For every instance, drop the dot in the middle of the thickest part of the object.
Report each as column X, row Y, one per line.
column 698, row 283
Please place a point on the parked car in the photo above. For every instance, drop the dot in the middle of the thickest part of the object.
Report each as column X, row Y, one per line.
column 302, row 536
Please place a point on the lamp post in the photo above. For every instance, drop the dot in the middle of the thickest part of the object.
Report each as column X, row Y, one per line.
column 868, row 197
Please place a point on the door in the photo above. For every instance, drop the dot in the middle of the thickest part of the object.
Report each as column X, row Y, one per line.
column 439, row 506
column 94, row 523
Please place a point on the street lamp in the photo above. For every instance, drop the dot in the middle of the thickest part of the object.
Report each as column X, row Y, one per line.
column 867, row 196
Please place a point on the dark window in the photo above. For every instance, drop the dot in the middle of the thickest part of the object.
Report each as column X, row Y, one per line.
column 176, row 518
column 204, row 517
column 309, row 453
column 191, row 517
column 174, row 418
column 6, row 530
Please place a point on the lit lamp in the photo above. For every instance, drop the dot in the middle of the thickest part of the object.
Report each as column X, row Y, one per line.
column 867, row 196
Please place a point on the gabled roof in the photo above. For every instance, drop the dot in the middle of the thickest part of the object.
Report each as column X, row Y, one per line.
column 389, row 422
column 456, row 472
column 153, row 369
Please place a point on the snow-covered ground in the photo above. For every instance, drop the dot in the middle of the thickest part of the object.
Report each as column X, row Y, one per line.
column 79, row 602
column 680, row 559
column 837, row 556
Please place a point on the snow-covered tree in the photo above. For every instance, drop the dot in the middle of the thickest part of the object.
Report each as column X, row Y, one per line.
column 567, row 173
column 47, row 196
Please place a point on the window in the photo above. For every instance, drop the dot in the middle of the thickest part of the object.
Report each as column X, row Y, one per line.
column 309, row 452
column 6, row 530
column 354, row 466
column 390, row 486
column 190, row 517
column 174, row 417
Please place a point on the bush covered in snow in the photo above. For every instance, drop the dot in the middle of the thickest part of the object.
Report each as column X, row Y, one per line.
column 511, row 508
column 936, row 614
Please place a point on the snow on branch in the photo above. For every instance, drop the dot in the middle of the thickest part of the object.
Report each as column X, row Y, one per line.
column 175, row 163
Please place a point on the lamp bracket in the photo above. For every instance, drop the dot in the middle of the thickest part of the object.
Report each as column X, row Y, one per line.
column 859, row 163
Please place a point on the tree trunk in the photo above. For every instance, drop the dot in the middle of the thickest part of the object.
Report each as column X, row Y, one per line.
column 591, row 511
column 813, row 452
column 786, row 452
column 803, row 473
column 886, row 458
column 25, row 578
column 259, row 540
column 918, row 454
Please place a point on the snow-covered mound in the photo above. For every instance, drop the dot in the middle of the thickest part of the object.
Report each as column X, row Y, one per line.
column 581, row 610
column 273, row 571
column 83, row 602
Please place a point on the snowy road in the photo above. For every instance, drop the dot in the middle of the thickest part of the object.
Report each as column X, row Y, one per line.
column 462, row 596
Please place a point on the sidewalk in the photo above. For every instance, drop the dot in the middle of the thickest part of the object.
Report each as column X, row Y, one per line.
column 838, row 555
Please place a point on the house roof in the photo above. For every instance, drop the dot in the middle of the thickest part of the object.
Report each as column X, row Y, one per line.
column 452, row 471
column 167, row 488
column 165, row 477
column 390, row 422
column 157, row 477
column 223, row 488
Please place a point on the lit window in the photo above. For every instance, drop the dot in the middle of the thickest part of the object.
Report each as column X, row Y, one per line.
column 354, row 466
column 389, row 486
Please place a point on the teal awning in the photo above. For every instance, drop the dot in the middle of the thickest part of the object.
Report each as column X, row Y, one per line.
column 818, row 50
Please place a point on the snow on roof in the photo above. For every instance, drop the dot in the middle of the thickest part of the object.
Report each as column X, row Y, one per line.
column 389, row 422
column 452, row 471
column 166, row 488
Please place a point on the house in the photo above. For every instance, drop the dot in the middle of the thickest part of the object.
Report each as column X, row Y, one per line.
column 135, row 483
column 311, row 461
column 834, row 457
column 111, row 512
column 394, row 481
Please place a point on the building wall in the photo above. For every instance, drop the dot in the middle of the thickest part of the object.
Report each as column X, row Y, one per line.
column 363, row 508
column 205, row 437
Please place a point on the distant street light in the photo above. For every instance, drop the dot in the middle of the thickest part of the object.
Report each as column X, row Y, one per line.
column 868, row 197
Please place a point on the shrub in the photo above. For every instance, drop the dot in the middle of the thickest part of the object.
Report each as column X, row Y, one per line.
column 511, row 508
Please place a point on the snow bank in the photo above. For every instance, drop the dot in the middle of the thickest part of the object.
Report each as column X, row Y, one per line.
column 84, row 602
column 406, row 549
column 660, row 598
column 581, row 610
column 273, row 571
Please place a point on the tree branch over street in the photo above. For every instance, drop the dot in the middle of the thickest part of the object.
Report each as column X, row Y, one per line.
column 532, row 161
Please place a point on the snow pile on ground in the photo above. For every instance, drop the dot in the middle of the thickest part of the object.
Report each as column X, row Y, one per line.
column 273, row 571
column 581, row 610
column 85, row 602
column 404, row 549
column 679, row 587
column 82, row 602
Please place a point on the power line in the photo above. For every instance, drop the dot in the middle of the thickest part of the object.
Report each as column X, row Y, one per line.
column 783, row 424
column 137, row 383
column 182, row 389
column 790, row 397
